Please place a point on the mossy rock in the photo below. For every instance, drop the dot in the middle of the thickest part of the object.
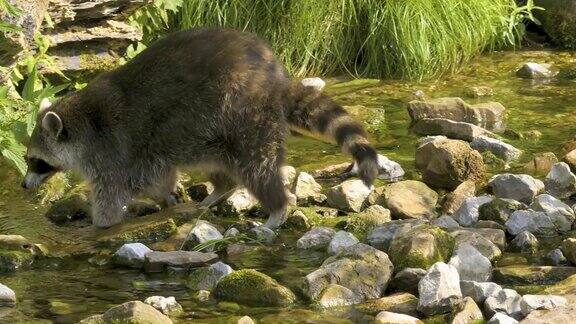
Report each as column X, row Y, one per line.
column 498, row 210
column 493, row 163
column 403, row 303
column 320, row 216
column 564, row 287
column 531, row 275
column 421, row 247
column 253, row 288
column 148, row 229
column 70, row 209
column 12, row 260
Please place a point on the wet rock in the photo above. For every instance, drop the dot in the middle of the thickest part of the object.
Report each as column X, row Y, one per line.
column 480, row 91
column 315, row 83
column 449, row 128
column 532, row 70
column 360, row 268
column 231, row 232
column 16, row 253
column 263, row 234
column 199, row 191
column 239, row 202
column 466, row 312
column 531, row 275
column 349, row 195
column 402, row 303
column 501, row 318
column 468, row 213
column 134, row 312
column 253, row 288
column 297, row 221
column 445, row 222
column 439, row 290
column 317, row 238
column 140, row 208
column 525, row 242
column 531, row 303
column 70, row 209
column 131, row 255
column 167, row 305
column 206, row 278
column 157, row 261
column 569, row 249
column 560, row 181
column 385, row 317
column 147, row 229
column 538, row 223
column 371, row 217
column 410, row 199
column 479, row 291
column 506, row 301
column 407, row 280
column 341, row 241
column 499, row 210
column 486, row 247
column 202, row 233
column 457, row 197
column 307, row 190
column 471, row 264
column 557, row 257
column 502, row 150
column 7, row 296
column 420, row 247
column 541, row 163
column 381, row 236
column 446, row 163
column 336, row 296
column 521, row 187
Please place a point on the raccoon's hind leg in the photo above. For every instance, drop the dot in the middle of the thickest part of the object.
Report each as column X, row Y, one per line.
column 223, row 187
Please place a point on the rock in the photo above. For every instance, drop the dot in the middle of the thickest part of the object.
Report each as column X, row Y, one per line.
column 439, row 290
column 316, row 238
column 506, row 301
column 457, row 197
column 206, row 278
column 70, row 209
column 479, row 291
column 263, row 234
column 199, row 191
column 231, row 232
column 532, row 70
column 315, row 83
column 167, row 305
column 570, row 159
column 560, row 181
column 407, row 280
column 239, row 202
column 387, row 169
column 449, row 128
column 381, row 236
column 480, row 91
column 445, row 222
column 499, row 210
column 494, row 235
column 501, row 318
column 203, row 233
column 420, row 247
column 521, row 187
column 557, row 257
column 466, row 312
column 446, row 163
column 410, row 199
column 332, row 171
column 371, row 217
column 538, row 223
column 246, row 320
column 569, row 249
column 360, row 268
column 157, row 261
column 402, row 303
column 297, row 221
column 502, row 150
column 134, row 312
column 307, row 190
column 385, row 317
column 146, row 229
column 486, row 247
column 341, row 241
column 336, row 296
column 525, row 242
column 531, row 275
column 349, row 195
column 252, row 288
column 471, row 264
column 7, row 296
column 468, row 213
column 531, row 303
column 541, row 163
column 489, row 224
column 288, row 174
column 131, row 255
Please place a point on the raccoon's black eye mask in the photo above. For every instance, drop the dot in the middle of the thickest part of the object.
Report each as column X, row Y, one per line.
column 40, row 166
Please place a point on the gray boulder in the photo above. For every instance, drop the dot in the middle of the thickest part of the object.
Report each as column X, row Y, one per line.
column 263, row 234
column 166, row 305
column 410, row 199
column 471, row 264
column 486, row 247
column 531, row 303
column 387, row 169
column 7, row 296
column 202, row 233
column 499, row 210
column 316, row 238
column 131, row 255
column 533, row 70
column 206, row 278
column 314, row 82
column 506, row 301
column 381, row 236
column 557, row 257
column 560, row 181
column 479, row 291
column 538, row 223
column 449, row 128
column 525, row 242
column 439, row 290
column 468, row 213
column 445, row 222
column 466, row 312
column 502, row 150
column 407, row 280
column 341, row 241
column 349, row 195
column 521, row 187
column 457, row 197
column 337, row 296
column 239, row 202
column 307, row 190
column 501, row 318
column 561, row 214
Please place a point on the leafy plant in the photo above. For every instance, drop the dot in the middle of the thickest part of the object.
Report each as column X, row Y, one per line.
column 7, row 9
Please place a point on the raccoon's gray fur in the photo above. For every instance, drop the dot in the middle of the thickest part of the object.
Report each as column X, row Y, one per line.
column 211, row 98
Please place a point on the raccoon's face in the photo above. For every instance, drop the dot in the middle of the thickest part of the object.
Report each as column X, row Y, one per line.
column 45, row 150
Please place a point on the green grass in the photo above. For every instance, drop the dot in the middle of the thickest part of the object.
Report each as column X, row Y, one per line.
column 412, row 39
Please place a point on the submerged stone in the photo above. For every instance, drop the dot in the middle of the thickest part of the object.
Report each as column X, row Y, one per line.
column 533, row 70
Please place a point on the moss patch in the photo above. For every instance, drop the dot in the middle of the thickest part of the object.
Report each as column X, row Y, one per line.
column 11, row 261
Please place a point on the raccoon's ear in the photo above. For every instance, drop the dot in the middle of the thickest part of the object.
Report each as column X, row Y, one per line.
column 52, row 123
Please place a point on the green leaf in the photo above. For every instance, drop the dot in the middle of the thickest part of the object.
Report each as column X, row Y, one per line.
column 30, row 85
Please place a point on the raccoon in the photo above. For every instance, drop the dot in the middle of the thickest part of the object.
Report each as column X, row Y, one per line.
column 215, row 99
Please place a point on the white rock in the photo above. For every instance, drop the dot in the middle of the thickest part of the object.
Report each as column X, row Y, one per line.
column 341, row 241
column 7, row 296
column 315, row 83
column 525, row 242
column 316, row 238
column 471, row 264
column 206, row 278
column 245, row 320
column 479, row 291
column 385, row 317
column 507, row 301
column 502, row 150
column 560, row 181
column 533, row 70
column 239, row 202
column 521, row 187
column 349, row 195
column 468, row 214
column 561, row 214
column 231, row 232
column 204, row 232
column 479, row 242
column 166, row 305
column 534, row 302
column 538, row 223
column 288, row 174
column 439, row 290
column 387, row 169
column 131, row 255
column 501, row 318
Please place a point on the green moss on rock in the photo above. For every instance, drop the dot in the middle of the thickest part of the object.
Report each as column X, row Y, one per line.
column 11, row 260
column 148, row 229
column 253, row 288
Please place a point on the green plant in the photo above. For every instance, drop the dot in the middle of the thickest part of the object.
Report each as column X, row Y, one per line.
column 7, row 9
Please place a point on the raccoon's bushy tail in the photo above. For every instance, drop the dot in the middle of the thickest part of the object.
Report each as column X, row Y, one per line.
column 314, row 111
